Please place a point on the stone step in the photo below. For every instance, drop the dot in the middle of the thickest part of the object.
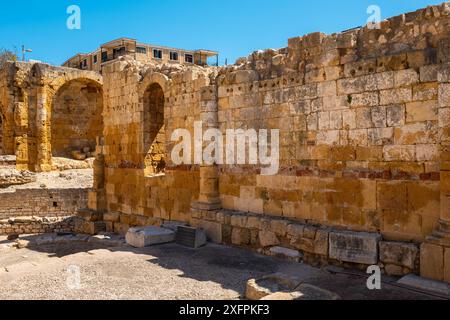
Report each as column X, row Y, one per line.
column 424, row 284
column 148, row 236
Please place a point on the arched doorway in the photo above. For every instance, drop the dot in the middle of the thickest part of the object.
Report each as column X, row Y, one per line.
column 154, row 130
column 76, row 119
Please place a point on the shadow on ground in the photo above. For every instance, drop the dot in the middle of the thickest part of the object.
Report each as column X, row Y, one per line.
column 229, row 267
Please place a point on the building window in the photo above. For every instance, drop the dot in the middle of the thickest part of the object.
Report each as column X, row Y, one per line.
column 118, row 52
column 142, row 50
column 174, row 56
column 104, row 56
column 189, row 58
column 85, row 63
column 95, row 59
column 157, row 54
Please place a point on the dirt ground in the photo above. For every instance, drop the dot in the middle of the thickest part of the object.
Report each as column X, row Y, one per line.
column 68, row 179
column 46, row 272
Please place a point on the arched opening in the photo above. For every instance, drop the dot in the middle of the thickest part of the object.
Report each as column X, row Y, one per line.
column 76, row 119
column 154, row 133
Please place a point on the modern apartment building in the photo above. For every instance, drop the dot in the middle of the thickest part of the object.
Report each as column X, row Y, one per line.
column 143, row 52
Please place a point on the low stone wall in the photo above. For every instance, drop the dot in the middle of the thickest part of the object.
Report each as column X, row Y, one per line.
column 33, row 225
column 40, row 210
column 314, row 244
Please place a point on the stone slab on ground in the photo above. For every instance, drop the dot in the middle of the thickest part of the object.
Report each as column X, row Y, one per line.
column 356, row 247
column 285, row 253
column 148, row 236
column 417, row 282
column 304, row 292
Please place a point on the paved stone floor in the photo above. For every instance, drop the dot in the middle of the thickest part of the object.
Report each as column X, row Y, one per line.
column 160, row 272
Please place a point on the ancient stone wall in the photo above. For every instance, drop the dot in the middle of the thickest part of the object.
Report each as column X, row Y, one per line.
column 42, row 202
column 27, row 211
column 133, row 185
column 363, row 142
column 44, row 106
column 76, row 118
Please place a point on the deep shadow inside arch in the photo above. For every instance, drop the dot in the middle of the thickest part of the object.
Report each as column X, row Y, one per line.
column 154, row 130
column 76, row 120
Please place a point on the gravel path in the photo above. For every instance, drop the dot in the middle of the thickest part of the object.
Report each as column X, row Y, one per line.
column 78, row 178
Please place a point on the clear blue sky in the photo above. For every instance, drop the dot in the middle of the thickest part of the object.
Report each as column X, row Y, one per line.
column 233, row 27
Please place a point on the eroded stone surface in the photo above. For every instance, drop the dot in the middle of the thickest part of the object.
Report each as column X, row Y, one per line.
column 356, row 247
column 148, row 236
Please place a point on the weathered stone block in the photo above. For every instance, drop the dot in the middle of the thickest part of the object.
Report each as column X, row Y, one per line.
column 432, row 261
column 399, row 254
column 148, row 236
column 240, row 236
column 356, row 247
column 268, row 238
column 111, row 216
column 285, row 253
column 213, row 230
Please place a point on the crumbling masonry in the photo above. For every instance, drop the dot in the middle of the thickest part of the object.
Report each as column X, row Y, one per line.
column 364, row 143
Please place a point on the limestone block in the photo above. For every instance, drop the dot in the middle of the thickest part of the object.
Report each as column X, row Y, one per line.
column 111, row 216
column 432, row 261
column 213, row 230
column 399, row 254
column 268, row 238
column 425, row 284
column 422, row 111
column 285, row 253
column 94, row 228
column 240, row 236
column 393, row 270
column 121, row 228
column 148, row 236
column 356, row 247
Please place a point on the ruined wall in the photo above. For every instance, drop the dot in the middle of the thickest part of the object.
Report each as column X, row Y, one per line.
column 42, row 202
column 76, row 118
column 363, row 144
column 29, row 93
column 359, row 121
column 27, row 211
column 132, row 185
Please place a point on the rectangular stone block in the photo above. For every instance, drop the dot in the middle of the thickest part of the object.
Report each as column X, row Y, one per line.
column 432, row 261
column 111, row 217
column 285, row 253
column 356, row 247
column 148, row 236
column 399, row 254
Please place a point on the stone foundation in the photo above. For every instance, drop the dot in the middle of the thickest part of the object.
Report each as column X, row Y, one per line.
column 314, row 244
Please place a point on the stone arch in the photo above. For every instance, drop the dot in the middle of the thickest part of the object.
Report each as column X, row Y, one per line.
column 151, row 78
column 154, row 136
column 76, row 120
column 153, row 90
